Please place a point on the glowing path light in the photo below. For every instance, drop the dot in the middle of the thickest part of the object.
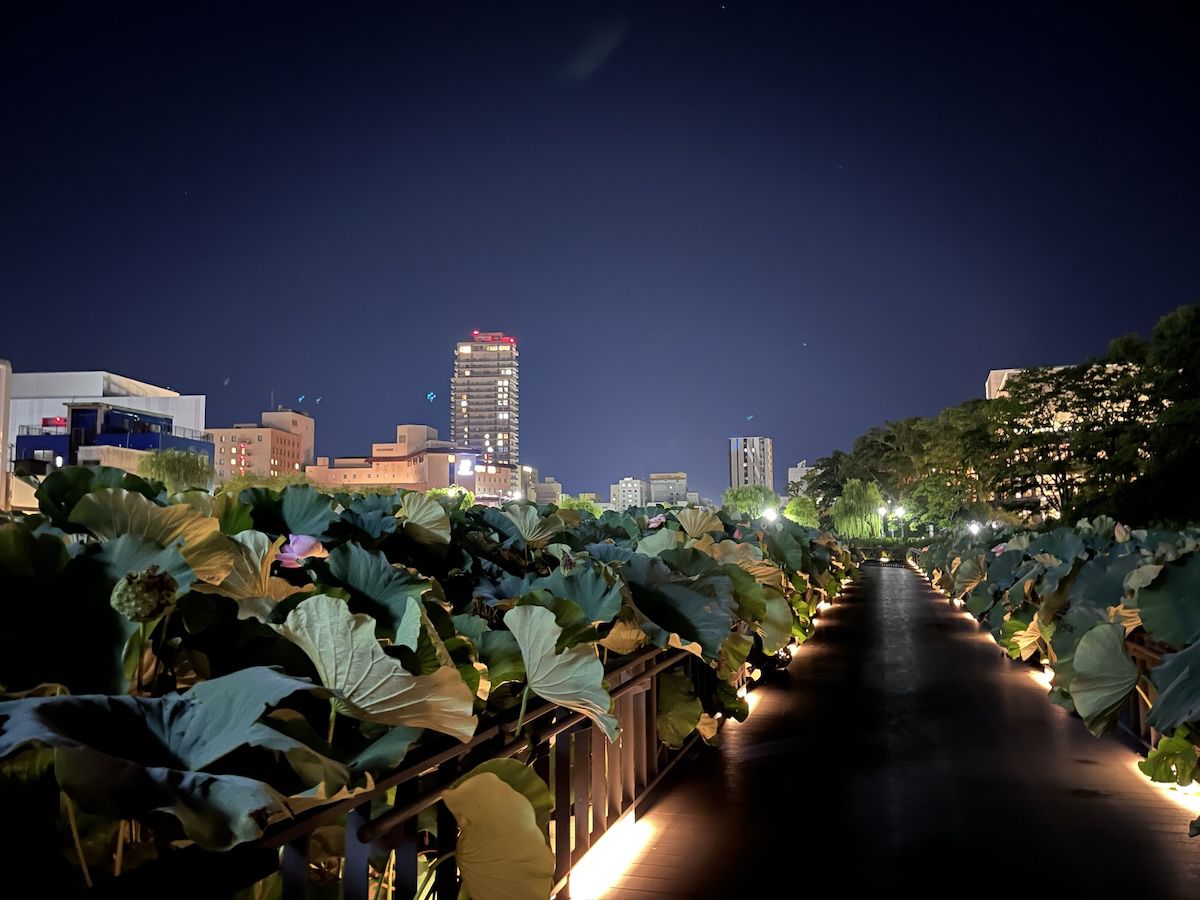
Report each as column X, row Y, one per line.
column 1186, row 798
column 610, row 857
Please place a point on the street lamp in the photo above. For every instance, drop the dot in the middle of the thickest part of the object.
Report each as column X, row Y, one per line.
column 882, row 517
column 903, row 525
column 770, row 514
column 974, row 528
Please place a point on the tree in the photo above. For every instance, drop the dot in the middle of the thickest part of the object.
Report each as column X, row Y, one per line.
column 239, row 483
column 569, row 502
column 856, row 512
column 802, row 511
column 751, row 499
column 179, row 470
column 463, row 498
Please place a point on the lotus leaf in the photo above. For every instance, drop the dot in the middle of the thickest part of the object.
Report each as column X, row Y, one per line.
column 391, row 596
column 1177, row 678
column 679, row 710
column 425, row 520
column 367, row 683
column 1104, row 677
column 1170, row 607
column 573, row 678
column 533, row 529
column 501, row 851
column 696, row 522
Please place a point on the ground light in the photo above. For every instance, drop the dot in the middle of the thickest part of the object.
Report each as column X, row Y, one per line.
column 1186, row 798
column 770, row 514
column 608, row 859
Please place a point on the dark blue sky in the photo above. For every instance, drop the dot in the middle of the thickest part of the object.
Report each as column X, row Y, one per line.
column 819, row 215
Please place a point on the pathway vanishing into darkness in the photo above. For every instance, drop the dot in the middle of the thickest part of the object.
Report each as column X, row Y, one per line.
column 902, row 751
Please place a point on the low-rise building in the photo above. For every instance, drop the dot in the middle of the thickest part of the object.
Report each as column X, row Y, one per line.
column 281, row 443
column 549, row 490
column 629, row 491
column 798, row 474
column 668, row 487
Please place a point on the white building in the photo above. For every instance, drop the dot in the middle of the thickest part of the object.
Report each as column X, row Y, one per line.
column 751, row 461
column 668, row 487
column 45, row 395
column 798, row 474
column 629, row 492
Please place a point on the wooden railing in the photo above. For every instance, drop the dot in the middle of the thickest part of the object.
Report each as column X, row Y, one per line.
column 594, row 784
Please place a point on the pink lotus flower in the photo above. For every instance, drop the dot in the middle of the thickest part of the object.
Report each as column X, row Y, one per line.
column 737, row 534
column 298, row 547
column 657, row 521
column 1000, row 548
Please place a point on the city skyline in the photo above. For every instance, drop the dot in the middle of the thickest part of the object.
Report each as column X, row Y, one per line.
column 727, row 217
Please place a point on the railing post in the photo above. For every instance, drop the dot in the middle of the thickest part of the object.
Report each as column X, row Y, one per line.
column 445, row 879
column 562, row 806
column 294, row 868
column 581, row 741
column 356, row 870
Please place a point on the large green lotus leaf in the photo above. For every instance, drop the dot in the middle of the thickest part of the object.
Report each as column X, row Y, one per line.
column 111, row 512
column 386, row 752
column 369, row 684
column 391, row 596
column 1173, row 761
column 61, row 490
column 700, row 612
column 588, row 588
column 1064, row 544
column 734, row 653
column 25, row 554
column 250, row 583
column 499, row 651
column 678, row 708
column 749, row 594
column 1170, row 607
column 128, row 756
column 1177, row 678
column 501, row 852
column 1100, row 582
column 1104, row 677
column 522, row 779
column 698, row 522
column 471, row 626
column 660, row 541
column 776, row 628
column 306, row 510
column 1078, row 621
column 969, row 573
column 134, row 553
column 573, row 679
column 574, row 624
column 425, row 520
column 533, row 529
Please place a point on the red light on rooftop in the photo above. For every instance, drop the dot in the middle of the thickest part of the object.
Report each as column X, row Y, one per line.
column 476, row 331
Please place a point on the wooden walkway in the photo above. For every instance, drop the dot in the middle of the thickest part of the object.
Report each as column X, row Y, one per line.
column 902, row 752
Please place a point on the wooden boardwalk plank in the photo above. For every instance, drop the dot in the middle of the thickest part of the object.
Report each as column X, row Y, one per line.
column 901, row 751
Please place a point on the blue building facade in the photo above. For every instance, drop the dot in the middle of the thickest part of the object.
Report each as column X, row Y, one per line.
column 57, row 442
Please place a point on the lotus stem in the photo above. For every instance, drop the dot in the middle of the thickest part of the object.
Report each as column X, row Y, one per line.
column 385, row 877
column 521, row 714
column 427, row 881
column 70, row 804
column 1142, row 694
column 120, row 848
column 332, row 722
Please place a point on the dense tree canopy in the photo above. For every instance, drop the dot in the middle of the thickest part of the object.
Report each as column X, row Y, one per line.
column 802, row 511
column 1113, row 435
column 750, row 499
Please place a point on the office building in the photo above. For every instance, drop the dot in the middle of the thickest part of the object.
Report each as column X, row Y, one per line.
column 629, row 491
column 282, row 442
column 798, row 474
column 485, row 397
column 751, row 461
column 101, row 434
column 668, row 487
column 549, row 490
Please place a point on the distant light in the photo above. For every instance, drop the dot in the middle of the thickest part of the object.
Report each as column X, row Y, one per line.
column 770, row 514
column 475, row 331
column 974, row 528
column 517, row 495
column 882, row 510
column 900, row 511
column 465, row 467
column 58, row 461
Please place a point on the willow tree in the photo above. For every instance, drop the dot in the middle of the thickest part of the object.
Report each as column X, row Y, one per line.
column 751, row 499
column 177, row 469
column 802, row 511
column 856, row 512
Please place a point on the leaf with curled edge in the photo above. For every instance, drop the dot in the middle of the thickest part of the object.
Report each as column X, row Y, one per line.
column 366, row 682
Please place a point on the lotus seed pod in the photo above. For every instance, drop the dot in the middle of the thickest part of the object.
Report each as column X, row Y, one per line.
column 141, row 596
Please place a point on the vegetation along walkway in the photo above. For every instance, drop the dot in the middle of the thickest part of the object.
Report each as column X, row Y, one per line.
column 901, row 750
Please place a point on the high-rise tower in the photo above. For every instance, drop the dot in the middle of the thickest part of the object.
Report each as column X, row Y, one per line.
column 485, row 392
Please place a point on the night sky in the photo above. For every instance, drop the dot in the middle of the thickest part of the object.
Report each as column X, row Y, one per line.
column 821, row 216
